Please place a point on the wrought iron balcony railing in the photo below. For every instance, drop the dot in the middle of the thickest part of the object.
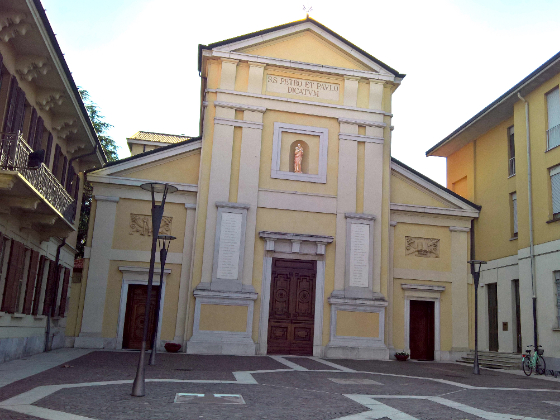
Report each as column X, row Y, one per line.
column 14, row 156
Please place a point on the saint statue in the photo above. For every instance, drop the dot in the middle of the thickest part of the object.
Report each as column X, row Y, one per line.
column 298, row 156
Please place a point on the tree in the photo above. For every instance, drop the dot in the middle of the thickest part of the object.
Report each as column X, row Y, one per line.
column 110, row 148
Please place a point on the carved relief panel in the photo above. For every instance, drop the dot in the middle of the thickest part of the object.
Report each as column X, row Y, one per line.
column 422, row 247
column 142, row 224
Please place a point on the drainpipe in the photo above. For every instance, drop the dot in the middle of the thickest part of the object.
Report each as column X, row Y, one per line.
column 48, row 344
column 94, row 151
column 531, row 246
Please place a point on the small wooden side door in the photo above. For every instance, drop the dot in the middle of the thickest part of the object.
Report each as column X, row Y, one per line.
column 422, row 331
column 492, row 316
column 292, row 307
column 517, row 315
column 134, row 318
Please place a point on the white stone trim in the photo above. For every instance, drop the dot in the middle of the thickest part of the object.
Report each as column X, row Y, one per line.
column 323, row 134
column 359, row 137
column 139, row 275
column 136, row 182
column 365, row 219
column 459, row 229
column 149, row 142
column 365, row 123
column 423, row 287
column 317, row 105
column 265, row 301
column 434, row 210
column 238, row 123
column 222, row 342
column 437, row 333
column 152, row 157
column 241, row 107
column 223, row 284
column 291, row 200
column 106, row 198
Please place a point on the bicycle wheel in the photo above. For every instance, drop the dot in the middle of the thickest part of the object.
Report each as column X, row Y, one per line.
column 527, row 368
column 540, row 368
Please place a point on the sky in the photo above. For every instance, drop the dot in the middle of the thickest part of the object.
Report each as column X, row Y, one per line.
column 138, row 58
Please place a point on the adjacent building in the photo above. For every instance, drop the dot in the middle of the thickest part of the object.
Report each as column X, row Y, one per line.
column 507, row 159
column 46, row 142
column 296, row 232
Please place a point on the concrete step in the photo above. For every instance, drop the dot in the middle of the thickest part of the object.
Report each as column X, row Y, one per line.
column 494, row 360
column 491, row 365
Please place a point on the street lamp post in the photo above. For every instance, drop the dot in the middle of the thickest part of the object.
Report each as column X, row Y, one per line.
column 164, row 243
column 475, row 271
column 138, row 387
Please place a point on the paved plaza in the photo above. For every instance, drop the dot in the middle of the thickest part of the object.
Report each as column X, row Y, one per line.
column 79, row 385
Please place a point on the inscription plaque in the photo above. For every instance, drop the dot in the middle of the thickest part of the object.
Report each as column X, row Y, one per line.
column 359, row 255
column 305, row 88
column 230, row 243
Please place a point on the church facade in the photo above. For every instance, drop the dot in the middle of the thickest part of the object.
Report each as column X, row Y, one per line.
column 296, row 232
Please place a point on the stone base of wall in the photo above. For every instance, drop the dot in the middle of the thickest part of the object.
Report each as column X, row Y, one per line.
column 221, row 344
column 18, row 347
column 365, row 353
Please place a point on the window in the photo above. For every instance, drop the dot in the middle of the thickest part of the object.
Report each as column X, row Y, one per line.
column 511, row 151
column 557, row 281
column 553, row 107
column 555, row 188
column 514, row 214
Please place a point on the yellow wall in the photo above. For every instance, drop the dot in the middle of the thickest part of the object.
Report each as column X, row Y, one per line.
column 308, row 47
column 113, row 296
column 223, row 318
column 460, row 172
column 404, row 191
column 357, row 324
column 183, row 169
column 124, row 239
column 401, row 260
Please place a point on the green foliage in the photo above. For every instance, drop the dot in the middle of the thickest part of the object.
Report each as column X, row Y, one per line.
column 110, row 147
column 100, row 126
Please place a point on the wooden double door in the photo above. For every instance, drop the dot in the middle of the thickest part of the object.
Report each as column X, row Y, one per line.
column 292, row 307
column 135, row 313
column 422, row 330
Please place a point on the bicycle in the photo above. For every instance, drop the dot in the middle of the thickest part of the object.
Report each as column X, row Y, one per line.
column 534, row 361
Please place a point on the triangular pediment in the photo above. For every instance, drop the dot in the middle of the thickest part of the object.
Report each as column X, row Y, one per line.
column 305, row 41
column 309, row 47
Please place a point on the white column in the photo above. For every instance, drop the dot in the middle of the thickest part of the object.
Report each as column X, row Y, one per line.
column 248, row 189
column 229, row 70
column 351, row 91
column 390, row 279
column 220, row 174
column 459, row 292
column 184, row 289
column 256, row 72
column 102, row 242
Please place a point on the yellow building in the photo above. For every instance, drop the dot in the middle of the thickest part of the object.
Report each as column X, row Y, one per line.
column 296, row 231
column 506, row 158
column 46, row 141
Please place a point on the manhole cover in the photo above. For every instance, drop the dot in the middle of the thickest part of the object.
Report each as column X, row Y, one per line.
column 209, row 398
column 354, row 381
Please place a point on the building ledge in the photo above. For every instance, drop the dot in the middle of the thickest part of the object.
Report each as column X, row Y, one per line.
column 553, row 220
column 515, row 238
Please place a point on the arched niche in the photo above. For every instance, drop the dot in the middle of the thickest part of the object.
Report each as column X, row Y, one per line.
column 305, row 157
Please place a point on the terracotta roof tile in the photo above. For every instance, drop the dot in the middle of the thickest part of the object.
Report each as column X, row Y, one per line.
column 158, row 137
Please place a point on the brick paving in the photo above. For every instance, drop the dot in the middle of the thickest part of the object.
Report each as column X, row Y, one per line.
column 282, row 395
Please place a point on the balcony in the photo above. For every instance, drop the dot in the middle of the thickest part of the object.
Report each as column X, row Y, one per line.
column 33, row 195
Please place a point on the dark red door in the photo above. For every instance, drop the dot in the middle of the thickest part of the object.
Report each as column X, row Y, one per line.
column 292, row 307
column 493, row 316
column 422, row 330
column 134, row 318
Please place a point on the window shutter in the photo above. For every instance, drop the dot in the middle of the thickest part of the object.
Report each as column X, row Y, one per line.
column 20, row 111
column 64, row 169
column 39, row 284
column 553, row 108
column 70, row 179
column 15, row 273
column 12, row 105
column 64, row 294
column 56, row 287
column 49, row 150
column 49, row 290
column 32, row 128
column 514, row 205
column 76, row 186
column 38, row 140
column 31, row 276
column 555, row 183
column 56, row 160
